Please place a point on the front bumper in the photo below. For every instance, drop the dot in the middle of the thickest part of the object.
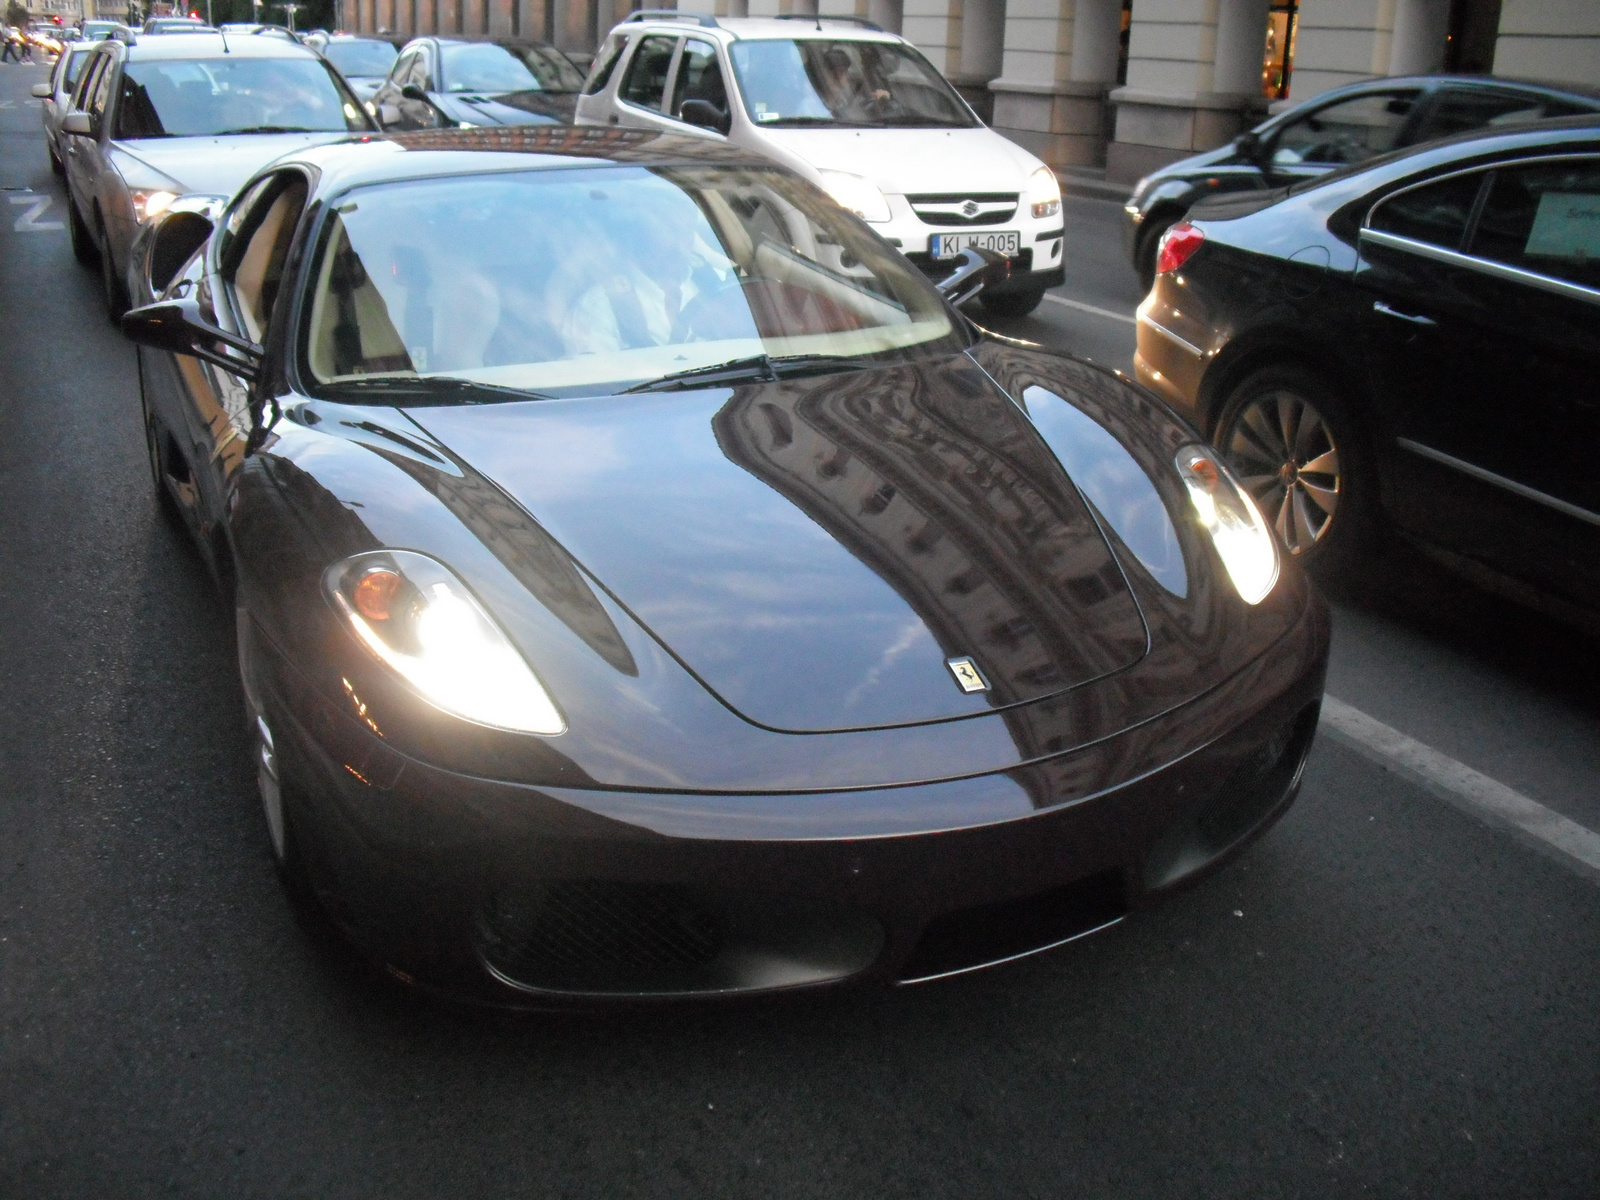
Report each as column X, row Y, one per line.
column 537, row 896
column 1038, row 264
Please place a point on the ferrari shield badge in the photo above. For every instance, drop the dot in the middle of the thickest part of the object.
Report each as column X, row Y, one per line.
column 968, row 677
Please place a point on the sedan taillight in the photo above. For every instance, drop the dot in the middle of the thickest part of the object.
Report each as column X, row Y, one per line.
column 1178, row 245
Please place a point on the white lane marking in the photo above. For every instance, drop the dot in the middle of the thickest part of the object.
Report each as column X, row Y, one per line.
column 1467, row 789
column 1089, row 308
column 29, row 221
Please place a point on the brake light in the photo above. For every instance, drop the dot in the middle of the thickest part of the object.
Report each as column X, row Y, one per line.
column 1178, row 245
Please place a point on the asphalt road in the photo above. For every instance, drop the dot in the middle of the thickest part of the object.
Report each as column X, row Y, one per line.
column 1384, row 997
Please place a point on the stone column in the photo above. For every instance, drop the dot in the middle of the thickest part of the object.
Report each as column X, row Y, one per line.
column 934, row 27
column 1194, row 80
column 1060, row 61
column 1549, row 39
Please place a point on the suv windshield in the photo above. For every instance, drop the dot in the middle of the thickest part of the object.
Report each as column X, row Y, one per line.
column 586, row 281
column 360, row 60
column 193, row 97
column 485, row 67
column 814, row 82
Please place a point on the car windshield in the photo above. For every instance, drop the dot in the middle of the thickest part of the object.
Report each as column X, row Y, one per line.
column 485, row 67
column 590, row 280
column 363, row 59
column 853, row 83
column 193, row 97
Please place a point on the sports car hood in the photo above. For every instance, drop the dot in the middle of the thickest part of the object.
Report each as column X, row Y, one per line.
column 218, row 166
column 911, row 161
column 817, row 551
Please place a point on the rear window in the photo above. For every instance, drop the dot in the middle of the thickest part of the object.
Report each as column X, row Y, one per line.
column 1436, row 214
column 361, row 59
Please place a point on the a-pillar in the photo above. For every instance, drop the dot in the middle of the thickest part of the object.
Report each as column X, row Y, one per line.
column 1060, row 61
column 1194, row 81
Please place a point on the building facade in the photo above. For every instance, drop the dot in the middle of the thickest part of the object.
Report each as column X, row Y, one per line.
column 1125, row 84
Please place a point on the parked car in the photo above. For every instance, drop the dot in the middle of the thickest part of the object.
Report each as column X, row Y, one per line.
column 248, row 29
column 1335, row 129
column 648, row 584
column 165, row 116
column 93, row 30
column 56, row 97
column 155, row 25
column 1418, row 341
column 857, row 111
column 442, row 82
column 363, row 61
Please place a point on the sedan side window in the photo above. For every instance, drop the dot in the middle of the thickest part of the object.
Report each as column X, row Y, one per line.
column 1350, row 131
column 699, row 77
column 647, row 73
column 256, row 256
column 1458, row 110
column 85, row 88
column 102, row 92
column 1436, row 213
column 1545, row 218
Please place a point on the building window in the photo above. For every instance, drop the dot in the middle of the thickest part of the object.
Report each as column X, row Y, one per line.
column 1277, row 63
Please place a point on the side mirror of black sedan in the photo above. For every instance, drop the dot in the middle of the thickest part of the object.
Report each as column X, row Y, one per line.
column 978, row 269
column 175, row 326
column 1248, row 146
column 706, row 115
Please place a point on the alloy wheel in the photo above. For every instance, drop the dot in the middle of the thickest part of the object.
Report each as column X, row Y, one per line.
column 1284, row 453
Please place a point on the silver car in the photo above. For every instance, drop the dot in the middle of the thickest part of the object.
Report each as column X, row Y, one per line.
column 163, row 117
column 56, row 96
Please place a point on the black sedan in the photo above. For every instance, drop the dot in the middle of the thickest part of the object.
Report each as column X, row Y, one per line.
column 648, row 584
column 1418, row 341
column 1339, row 128
column 442, row 82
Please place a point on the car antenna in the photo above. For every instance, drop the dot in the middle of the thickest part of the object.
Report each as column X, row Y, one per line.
column 223, row 34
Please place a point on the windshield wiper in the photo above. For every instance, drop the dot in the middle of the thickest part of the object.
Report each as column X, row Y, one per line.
column 758, row 368
column 436, row 389
column 832, row 122
column 271, row 129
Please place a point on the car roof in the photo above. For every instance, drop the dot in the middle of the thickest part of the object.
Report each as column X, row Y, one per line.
column 216, row 45
column 739, row 29
column 1388, row 83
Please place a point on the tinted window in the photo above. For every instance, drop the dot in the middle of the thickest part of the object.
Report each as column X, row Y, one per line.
column 816, row 82
column 86, row 81
column 1436, row 214
column 1544, row 217
column 699, row 77
column 268, row 227
column 1350, row 131
column 360, row 60
column 192, row 96
column 1457, row 111
column 485, row 67
column 71, row 68
column 100, row 93
column 647, row 73
column 608, row 63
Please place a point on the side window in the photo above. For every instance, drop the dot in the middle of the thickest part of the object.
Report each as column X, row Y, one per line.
column 1350, row 131
column 608, row 63
column 423, row 75
column 647, row 73
column 400, row 73
column 101, row 93
column 85, row 88
column 253, row 266
column 1436, row 213
column 1458, row 110
column 1544, row 217
column 699, row 77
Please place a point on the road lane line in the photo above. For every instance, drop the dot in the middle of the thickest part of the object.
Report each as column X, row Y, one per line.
column 1089, row 308
column 1467, row 789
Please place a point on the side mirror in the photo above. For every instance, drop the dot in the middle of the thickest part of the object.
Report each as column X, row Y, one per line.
column 706, row 115
column 41, row 91
column 175, row 326
column 1248, row 146
column 978, row 269
column 78, row 123
column 412, row 92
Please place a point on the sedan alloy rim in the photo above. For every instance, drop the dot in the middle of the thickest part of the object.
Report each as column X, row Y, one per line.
column 1284, row 453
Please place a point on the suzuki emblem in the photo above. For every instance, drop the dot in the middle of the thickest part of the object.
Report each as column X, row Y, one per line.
column 968, row 677
column 969, row 209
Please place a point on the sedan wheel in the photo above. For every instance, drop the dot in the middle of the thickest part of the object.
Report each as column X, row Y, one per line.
column 1287, row 437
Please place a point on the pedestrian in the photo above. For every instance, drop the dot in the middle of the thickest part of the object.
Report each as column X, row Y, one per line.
column 27, row 48
column 10, row 51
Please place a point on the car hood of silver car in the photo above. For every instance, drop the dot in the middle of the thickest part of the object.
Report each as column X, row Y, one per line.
column 217, row 166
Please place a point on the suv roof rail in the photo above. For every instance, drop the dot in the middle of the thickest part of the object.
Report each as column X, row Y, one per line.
column 706, row 20
column 819, row 18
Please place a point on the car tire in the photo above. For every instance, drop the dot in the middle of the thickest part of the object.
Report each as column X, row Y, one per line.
column 116, row 293
column 1148, row 247
column 56, row 165
column 1013, row 304
column 1292, row 440
column 83, row 247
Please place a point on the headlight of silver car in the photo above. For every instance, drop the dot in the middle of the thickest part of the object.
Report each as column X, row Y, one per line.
column 1241, row 535
column 150, row 202
column 418, row 618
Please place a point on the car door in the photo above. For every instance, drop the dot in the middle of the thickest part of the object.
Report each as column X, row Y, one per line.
column 594, row 106
column 386, row 100
column 1338, row 134
column 98, row 178
column 1487, row 352
column 642, row 94
column 75, row 156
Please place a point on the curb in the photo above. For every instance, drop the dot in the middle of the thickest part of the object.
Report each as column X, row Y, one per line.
column 1093, row 187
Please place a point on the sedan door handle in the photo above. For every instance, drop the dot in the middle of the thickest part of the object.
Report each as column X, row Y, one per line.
column 1380, row 306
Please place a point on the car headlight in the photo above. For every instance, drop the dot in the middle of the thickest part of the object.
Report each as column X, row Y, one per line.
column 420, row 620
column 860, row 196
column 1241, row 535
column 1044, row 193
column 150, row 202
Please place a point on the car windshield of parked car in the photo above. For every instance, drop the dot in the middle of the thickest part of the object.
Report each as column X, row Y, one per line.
column 194, row 97
column 485, row 67
column 587, row 281
column 850, row 83
column 361, row 60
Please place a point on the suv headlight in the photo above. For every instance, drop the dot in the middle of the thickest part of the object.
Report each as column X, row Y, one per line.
column 420, row 620
column 860, row 196
column 1241, row 535
column 1044, row 193
column 150, row 202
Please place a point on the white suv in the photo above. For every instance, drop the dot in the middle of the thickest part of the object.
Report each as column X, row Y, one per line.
column 859, row 112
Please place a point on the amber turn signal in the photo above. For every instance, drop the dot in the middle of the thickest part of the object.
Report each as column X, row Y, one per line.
column 375, row 593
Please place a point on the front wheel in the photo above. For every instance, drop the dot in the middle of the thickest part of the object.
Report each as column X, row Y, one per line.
column 1012, row 304
column 1293, row 443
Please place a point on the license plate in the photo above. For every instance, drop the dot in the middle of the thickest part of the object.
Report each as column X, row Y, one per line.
column 950, row 245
